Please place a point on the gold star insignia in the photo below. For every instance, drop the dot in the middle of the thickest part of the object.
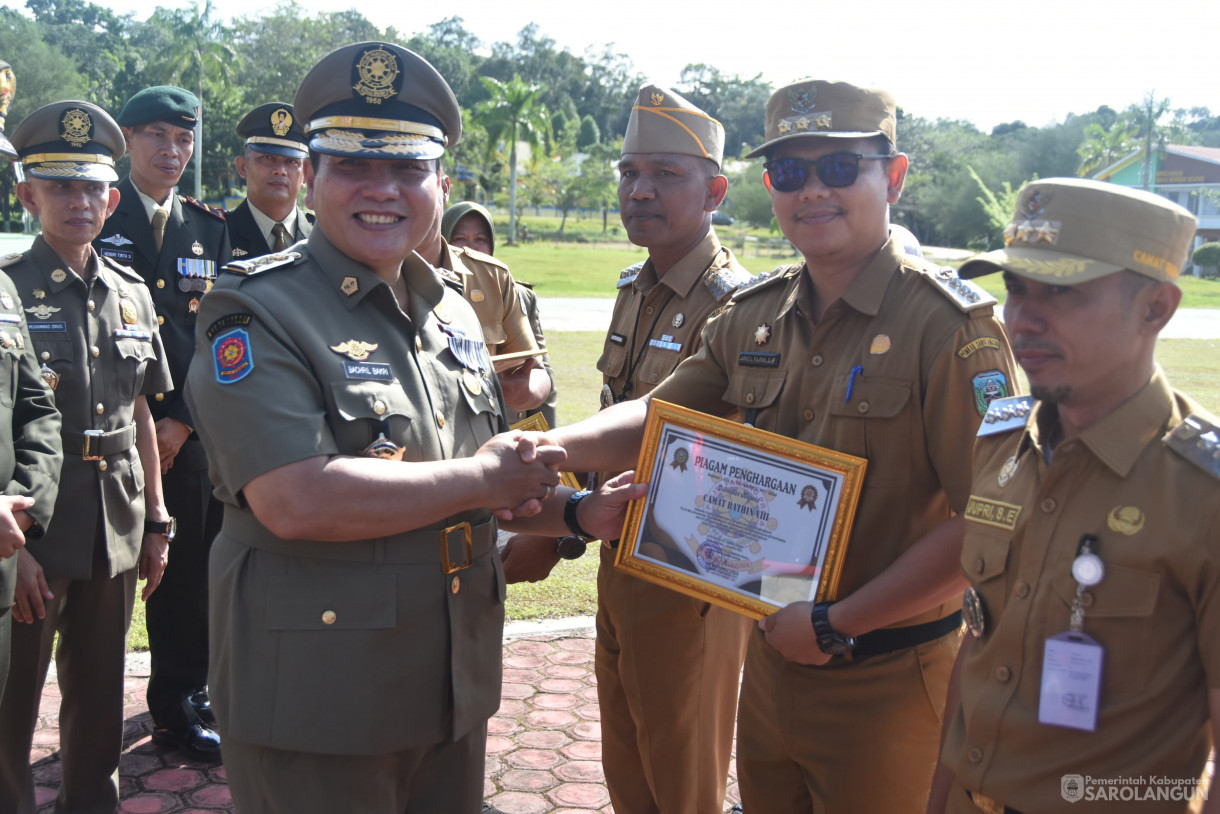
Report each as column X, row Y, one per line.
column 1010, row 234
column 1048, row 231
column 762, row 334
column 822, row 121
column 802, row 123
column 785, row 126
column 1026, row 230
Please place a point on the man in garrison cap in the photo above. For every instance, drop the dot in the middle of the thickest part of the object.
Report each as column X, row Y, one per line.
column 175, row 244
column 351, row 420
column 667, row 665
column 92, row 324
column 1092, row 533
column 273, row 165
column 865, row 350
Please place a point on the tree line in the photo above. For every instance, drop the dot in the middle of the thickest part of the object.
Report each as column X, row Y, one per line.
column 568, row 110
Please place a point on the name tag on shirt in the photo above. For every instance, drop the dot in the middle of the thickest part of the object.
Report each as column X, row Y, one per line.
column 377, row 371
column 1071, row 681
column 127, row 333
column 37, row 327
column 121, row 255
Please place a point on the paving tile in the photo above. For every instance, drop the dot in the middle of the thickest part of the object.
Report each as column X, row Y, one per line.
column 543, row 759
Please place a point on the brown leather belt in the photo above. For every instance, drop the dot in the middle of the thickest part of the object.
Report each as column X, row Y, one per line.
column 96, row 444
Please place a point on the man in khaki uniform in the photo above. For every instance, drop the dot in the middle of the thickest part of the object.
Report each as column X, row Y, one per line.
column 94, row 330
column 1093, row 528
column 357, row 599
column 869, row 351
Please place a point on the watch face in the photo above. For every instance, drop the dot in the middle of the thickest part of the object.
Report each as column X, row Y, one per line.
column 173, row 529
column 570, row 548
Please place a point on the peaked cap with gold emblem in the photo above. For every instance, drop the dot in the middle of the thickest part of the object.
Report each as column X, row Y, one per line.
column 273, row 128
column 73, row 141
column 1071, row 230
column 378, row 100
column 8, row 86
column 663, row 122
column 825, row 109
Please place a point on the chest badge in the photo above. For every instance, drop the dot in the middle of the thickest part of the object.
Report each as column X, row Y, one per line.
column 39, row 294
column 880, row 345
column 49, row 376
column 441, row 312
column 678, row 320
column 762, row 334
column 1128, row 520
column 354, row 349
column 128, row 309
column 349, row 286
column 197, row 249
column 972, row 610
column 6, row 340
column 472, row 380
column 42, row 311
column 6, row 300
column 476, row 295
column 59, row 275
column 1007, row 471
column 193, row 306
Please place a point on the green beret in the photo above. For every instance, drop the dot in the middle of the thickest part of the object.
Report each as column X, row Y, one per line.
column 72, row 141
column 163, row 103
column 459, row 210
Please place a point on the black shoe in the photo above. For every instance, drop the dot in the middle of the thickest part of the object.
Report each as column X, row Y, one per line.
column 488, row 808
column 195, row 740
column 735, row 809
column 201, row 705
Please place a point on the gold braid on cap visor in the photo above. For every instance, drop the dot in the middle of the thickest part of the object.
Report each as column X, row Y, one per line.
column 72, row 171
column 353, row 142
column 74, row 158
column 664, row 113
column 388, row 125
column 279, row 142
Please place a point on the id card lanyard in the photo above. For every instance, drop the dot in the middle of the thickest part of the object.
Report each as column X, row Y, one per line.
column 1072, row 660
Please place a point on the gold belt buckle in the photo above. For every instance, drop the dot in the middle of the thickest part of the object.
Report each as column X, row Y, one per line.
column 986, row 804
column 447, row 563
column 88, row 453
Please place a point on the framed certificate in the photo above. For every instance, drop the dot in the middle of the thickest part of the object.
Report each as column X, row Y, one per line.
column 537, row 423
column 738, row 516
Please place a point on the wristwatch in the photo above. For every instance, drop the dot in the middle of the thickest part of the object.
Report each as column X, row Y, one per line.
column 571, row 547
column 830, row 641
column 168, row 528
column 569, row 513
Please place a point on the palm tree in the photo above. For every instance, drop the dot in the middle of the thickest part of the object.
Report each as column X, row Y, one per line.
column 196, row 48
column 1102, row 147
column 513, row 113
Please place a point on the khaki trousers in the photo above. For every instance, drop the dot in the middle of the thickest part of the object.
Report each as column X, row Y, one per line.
column 845, row 738
column 668, row 669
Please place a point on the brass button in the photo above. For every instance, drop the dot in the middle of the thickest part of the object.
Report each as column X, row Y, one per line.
column 809, row 415
column 749, row 398
column 862, row 407
column 979, row 565
column 1048, row 505
column 440, row 419
column 100, row 408
column 160, row 320
column 817, row 360
column 45, row 355
column 101, row 465
column 95, row 351
column 456, row 585
column 975, row 754
column 649, row 310
column 90, row 305
column 329, row 617
column 160, row 284
column 1003, row 673
column 160, row 397
column 379, row 407
column 1022, row 589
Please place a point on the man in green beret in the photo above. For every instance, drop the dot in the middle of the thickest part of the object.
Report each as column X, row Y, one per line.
column 273, row 165
column 1090, row 679
column 175, row 244
column 94, row 329
column 351, row 415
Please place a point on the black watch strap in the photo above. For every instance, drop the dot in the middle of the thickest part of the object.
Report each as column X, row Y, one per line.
column 569, row 513
column 830, row 641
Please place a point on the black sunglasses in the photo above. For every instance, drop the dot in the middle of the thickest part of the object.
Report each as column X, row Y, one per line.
column 834, row 170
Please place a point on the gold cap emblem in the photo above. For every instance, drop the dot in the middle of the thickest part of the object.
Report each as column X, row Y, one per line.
column 378, row 69
column 281, row 122
column 354, row 349
column 76, row 127
column 657, row 98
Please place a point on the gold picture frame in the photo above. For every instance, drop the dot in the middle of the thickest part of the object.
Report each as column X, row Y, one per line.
column 537, row 423
column 737, row 516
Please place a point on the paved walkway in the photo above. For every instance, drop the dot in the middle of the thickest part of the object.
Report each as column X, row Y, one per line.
column 543, row 745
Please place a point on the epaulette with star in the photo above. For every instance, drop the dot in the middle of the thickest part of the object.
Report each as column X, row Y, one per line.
column 1005, row 415
column 725, row 281
column 627, row 276
column 1197, row 439
column 762, row 281
column 219, row 214
column 9, row 259
column 965, row 294
column 266, row 262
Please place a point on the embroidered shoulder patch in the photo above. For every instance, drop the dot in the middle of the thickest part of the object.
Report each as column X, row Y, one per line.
column 970, row 348
column 232, row 354
column 237, row 320
column 989, row 386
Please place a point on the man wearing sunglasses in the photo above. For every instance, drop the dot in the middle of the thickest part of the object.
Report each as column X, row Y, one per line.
column 870, row 351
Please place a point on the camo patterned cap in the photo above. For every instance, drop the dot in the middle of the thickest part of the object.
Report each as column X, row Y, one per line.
column 818, row 108
column 1071, row 230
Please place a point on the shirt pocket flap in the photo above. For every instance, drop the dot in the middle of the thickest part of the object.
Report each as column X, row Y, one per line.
column 335, row 602
column 754, row 389
column 986, row 555
column 370, row 400
column 138, row 349
column 612, row 361
column 1122, row 592
column 493, row 334
column 871, row 397
column 54, row 351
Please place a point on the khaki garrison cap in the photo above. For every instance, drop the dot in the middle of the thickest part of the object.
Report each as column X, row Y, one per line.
column 1069, row 230
column 816, row 107
column 663, row 122
column 272, row 128
column 72, row 141
column 8, row 85
column 378, row 100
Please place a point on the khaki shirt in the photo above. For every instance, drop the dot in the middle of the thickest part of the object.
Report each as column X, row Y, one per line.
column 490, row 289
column 364, row 646
column 1156, row 611
column 100, row 342
column 898, row 371
column 656, row 323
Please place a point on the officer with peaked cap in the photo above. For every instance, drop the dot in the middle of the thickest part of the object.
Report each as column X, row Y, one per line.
column 8, row 84
column 872, row 352
column 175, row 244
column 94, row 329
column 351, row 420
column 273, row 165
column 1092, row 533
